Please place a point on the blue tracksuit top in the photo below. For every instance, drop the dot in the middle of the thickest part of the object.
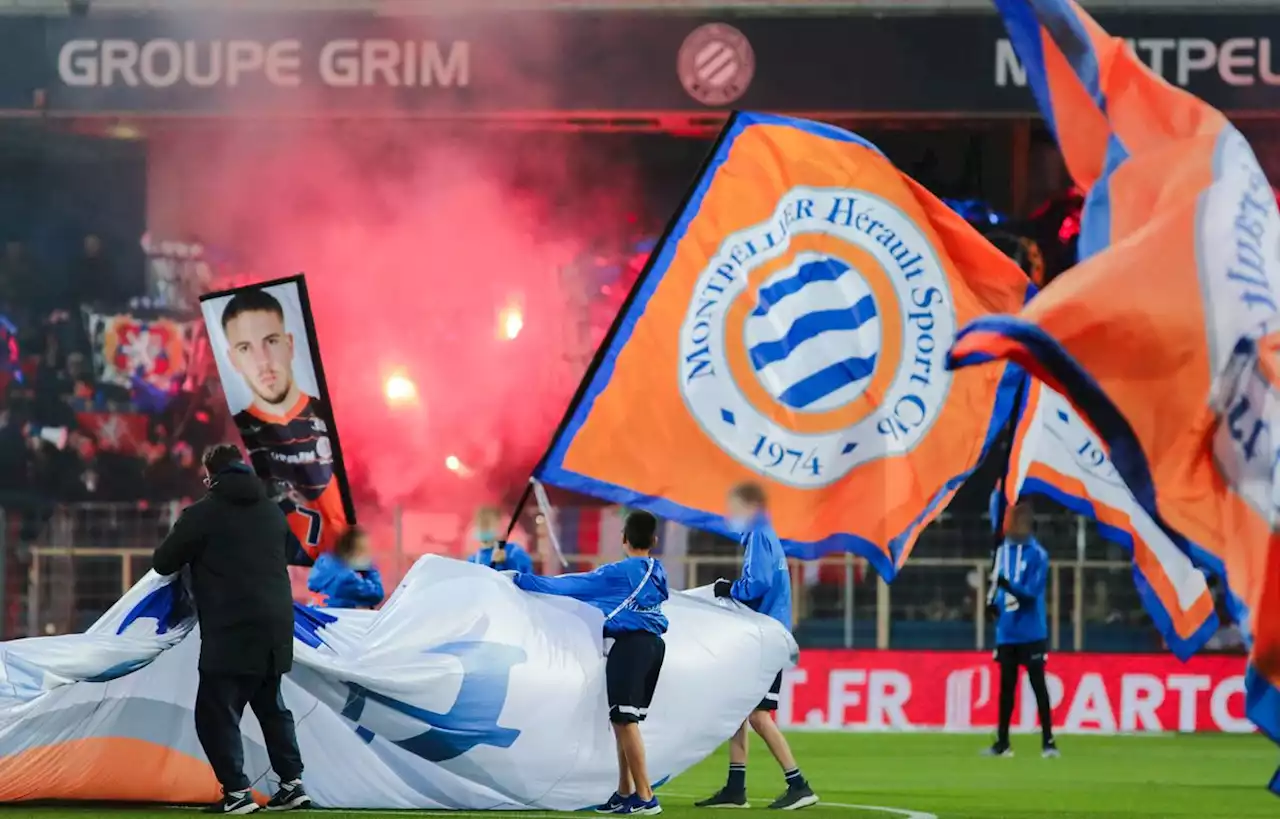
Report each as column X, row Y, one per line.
column 765, row 585
column 342, row 586
column 1022, row 615
column 517, row 559
column 630, row 593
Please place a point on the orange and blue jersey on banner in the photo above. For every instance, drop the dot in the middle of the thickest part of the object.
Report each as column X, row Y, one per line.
column 791, row 329
column 294, row 448
column 1163, row 334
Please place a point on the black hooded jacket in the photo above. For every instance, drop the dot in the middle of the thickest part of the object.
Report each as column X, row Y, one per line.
column 236, row 540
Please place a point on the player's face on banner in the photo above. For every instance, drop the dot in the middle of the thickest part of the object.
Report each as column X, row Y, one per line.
column 262, row 352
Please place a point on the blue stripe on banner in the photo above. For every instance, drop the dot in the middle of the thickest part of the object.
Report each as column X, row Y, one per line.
column 826, row 381
column 159, row 604
column 1059, row 18
column 1095, row 217
column 308, row 622
column 827, row 270
column 1262, row 707
column 1024, row 33
column 810, row 325
column 998, row 504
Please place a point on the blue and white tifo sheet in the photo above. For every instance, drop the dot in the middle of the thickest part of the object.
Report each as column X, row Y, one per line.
column 462, row 692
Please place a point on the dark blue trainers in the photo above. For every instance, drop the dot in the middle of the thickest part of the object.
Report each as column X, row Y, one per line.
column 638, row 807
column 615, row 804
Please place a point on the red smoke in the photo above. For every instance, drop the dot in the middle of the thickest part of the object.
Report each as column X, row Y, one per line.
column 413, row 242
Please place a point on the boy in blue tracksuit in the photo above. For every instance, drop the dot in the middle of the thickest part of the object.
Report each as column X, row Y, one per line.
column 494, row 552
column 630, row 593
column 1017, row 594
column 347, row 578
column 765, row 586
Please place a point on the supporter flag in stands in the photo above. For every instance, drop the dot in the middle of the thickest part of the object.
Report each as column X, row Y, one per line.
column 121, row 432
column 1057, row 455
column 791, row 329
column 128, row 349
column 1164, row 336
column 264, row 345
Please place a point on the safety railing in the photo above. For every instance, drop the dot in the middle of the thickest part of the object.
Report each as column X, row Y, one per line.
column 63, row 565
column 936, row 603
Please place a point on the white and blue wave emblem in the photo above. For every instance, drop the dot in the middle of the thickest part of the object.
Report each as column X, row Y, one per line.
column 813, row 337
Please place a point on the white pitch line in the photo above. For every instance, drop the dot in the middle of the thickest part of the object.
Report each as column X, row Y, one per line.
column 411, row 812
column 909, row 814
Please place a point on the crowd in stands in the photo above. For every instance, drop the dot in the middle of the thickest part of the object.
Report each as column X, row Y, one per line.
column 66, row 433
column 70, row 431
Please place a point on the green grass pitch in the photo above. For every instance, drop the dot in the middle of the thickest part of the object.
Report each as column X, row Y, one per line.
column 917, row 775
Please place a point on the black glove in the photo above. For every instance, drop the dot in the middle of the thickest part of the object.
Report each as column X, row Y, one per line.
column 1002, row 582
column 723, row 587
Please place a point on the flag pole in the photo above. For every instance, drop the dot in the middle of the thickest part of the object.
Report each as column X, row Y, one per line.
column 598, row 358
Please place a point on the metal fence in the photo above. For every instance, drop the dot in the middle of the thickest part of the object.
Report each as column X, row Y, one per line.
column 57, row 556
column 59, row 575
column 63, row 566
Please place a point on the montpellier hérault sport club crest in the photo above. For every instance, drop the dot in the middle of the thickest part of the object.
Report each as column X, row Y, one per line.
column 815, row 341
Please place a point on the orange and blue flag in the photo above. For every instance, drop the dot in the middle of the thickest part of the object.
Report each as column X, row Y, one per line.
column 791, row 329
column 1164, row 335
column 1057, row 455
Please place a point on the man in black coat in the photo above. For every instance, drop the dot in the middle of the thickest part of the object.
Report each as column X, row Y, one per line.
column 235, row 541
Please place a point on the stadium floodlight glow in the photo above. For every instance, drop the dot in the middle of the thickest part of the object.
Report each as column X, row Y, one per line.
column 400, row 390
column 510, row 322
column 455, row 465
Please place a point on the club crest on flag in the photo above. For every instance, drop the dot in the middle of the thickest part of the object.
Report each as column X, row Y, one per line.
column 790, row 330
column 811, row 343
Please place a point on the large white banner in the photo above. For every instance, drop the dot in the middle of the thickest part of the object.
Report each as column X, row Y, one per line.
column 463, row 692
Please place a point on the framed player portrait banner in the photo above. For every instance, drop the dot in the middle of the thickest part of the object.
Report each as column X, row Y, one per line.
column 264, row 345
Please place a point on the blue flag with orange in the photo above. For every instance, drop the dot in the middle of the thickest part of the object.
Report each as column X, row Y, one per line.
column 790, row 329
column 1165, row 335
